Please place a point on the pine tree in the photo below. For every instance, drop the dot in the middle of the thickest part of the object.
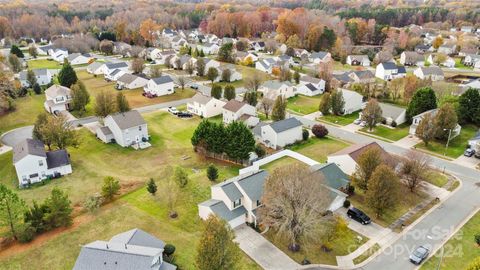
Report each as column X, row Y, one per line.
column 423, row 100
column 12, row 208
column 37, row 89
column 240, row 141
column 16, row 51
column 151, row 186
column 67, row 75
column 469, row 106
column 110, row 187
column 279, row 109
column 296, row 77
column 229, row 92
column 60, row 210
column 181, row 177
column 122, row 103
column 212, row 173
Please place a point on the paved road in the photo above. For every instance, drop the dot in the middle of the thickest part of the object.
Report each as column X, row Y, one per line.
column 434, row 228
column 14, row 137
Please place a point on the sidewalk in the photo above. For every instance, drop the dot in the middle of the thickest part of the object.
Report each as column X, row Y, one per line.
column 4, row 149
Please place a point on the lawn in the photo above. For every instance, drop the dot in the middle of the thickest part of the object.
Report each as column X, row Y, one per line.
column 457, row 145
column 27, row 109
column 341, row 120
column 319, row 149
column 436, row 178
column 345, row 244
column 408, row 201
column 44, row 63
column 303, row 104
column 393, row 134
column 365, row 255
column 460, row 250
column 460, row 65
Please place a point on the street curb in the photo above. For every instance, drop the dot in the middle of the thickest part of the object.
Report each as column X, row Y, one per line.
column 9, row 131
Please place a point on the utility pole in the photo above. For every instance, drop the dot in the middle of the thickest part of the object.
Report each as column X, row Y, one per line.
column 448, row 140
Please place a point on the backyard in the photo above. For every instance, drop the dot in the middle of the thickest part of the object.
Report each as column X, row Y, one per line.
column 25, row 113
column 303, row 104
column 43, row 63
column 341, row 120
column 392, row 134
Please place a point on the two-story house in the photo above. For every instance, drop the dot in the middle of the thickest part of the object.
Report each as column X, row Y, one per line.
column 280, row 133
column 419, row 117
column 126, row 129
column 205, row 106
column 58, row 54
column 388, row 71
column 358, row 60
column 43, row 76
column 58, row 99
column 108, row 68
column 160, row 86
column 235, row 110
column 273, row 89
column 433, row 72
column 412, row 59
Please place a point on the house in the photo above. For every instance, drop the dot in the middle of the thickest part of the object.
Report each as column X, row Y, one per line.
column 280, row 133
column 362, row 76
column 126, row 129
column 57, row 99
column 180, row 62
column 301, row 53
column 130, row 81
column 114, row 75
column 96, row 68
column 336, row 181
column 235, row 200
column 433, row 72
column 411, row 59
column 42, row 75
column 258, row 46
column 134, row 249
column 274, row 88
column 265, row 65
column 353, row 101
column 474, row 142
column 178, row 42
column 471, row 59
column 160, row 86
column 388, row 71
column 392, row 113
column 449, row 62
column 418, row 118
column 234, row 110
column 33, row 164
column 466, row 29
column 209, row 48
column 210, row 63
column 79, row 59
column 320, row 57
column 43, row 50
column 447, row 49
column 58, row 54
column 205, row 106
column 358, row 60
column 286, row 59
column 466, row 51
column 234, row 74
column 108, row 68
column 309, row 89
column 424, row 48
column 161, row 57
column 122, row 48
column 244, row 56
column 318, row 83
column 347, row 158
column 169, row 33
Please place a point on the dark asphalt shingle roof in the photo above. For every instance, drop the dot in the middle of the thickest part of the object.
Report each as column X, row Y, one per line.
column 28, row 147
column 221, row 210
column 333, row 175
column 57, row 158
column 128, row 119
column 162, row 80
column 231, row 191
column 286, row 124
column 116, row 65
column 253, row 185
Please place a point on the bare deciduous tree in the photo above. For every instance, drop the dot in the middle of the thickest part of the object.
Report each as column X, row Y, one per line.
column 267, row 105
column 181, row 82
column 253, row 83
column 137, row 65
column 414, row 168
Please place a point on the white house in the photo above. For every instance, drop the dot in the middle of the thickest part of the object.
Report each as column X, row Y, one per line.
column 42, row 75
column 205, row 106
column 110, row 67
column 388, row 71
column 235, row 110
column 309, row 89
column 33, row 164
column 130, row 81
column 433, row 72
column 209, row 48
column 114, row 75
column 447, row 49
column 273, row 89
column 353, row 101
column 258, row 46
column 210, row 63
column 418, row 118
column 449, row 61
column 160, row 57
column 243, row 56
column 280, row 133
column 235, row 200
column 58, row 54
column 412, row 59
column 265, row 65
column 126, row 129
column 358, row 60
column 362, row 76
column 234, row 74
column 43, row 50
column 317, row 82
column 160, row 86
column 319, row 57
column 392, row 113
column 79, row 59
column 96, row 68
column 58, row 99
column 471, row 59
column 347, row 158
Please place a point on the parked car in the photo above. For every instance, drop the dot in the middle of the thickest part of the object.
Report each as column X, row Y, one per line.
column 363, row 124
column 173, row 110
column 357, row 121
column 419, row 255
column 469, row 152
column 184, row 114
column 358, row 215
column 194, row 86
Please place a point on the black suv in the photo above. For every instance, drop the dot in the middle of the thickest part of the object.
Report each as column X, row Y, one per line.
column 358, row 215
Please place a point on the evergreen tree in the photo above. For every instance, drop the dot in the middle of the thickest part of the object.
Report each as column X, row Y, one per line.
column 216, row 249
column 110, row 187
column 226, row 74
column 12, row 208
column 201, row 54
column 423, row 100
column 216, row 91
column 151, row 187
column 80, row 97
column 229, row 92
column 59, row 212
column 181, row 177
column 296, row 77
column 212, row 173
column 37, row 89
column 225, row 53
column 382, row 189
column 200, row 67
column 337, row 102
column 104, row 104
column 212, row 74
column 325, row 104
column 279, row 109
column 67, row 75
column 31, row 78
column 240, row 141
column 122, row 103
column 35, row 216
column 16, row 51
column 469, row 106
column 250, row 97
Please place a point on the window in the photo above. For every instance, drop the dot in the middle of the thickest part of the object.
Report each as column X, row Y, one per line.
column 139, row 128
column 40, row 163
column 237, row 203
column 259, row 203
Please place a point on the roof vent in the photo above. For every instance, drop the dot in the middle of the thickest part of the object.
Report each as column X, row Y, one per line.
column 107, row 246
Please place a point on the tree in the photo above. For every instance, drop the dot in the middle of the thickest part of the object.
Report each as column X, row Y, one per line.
column 137, row 65
column 240, row 141
column 382, row 189
column 372, row 114
column 59, row 212
column 426, row 129
column 37, row 127
column 12, row 208
column 168, row 61
column 367, row 162
column 104, row 104
column 212, row 74
column 445, row 121
column 320, row 131
column 189, row 68
column 155, row 71
column 296, row 77
column 279, row 109
column 474, row 265
column 122, row 103
column 181, row 82
column 37, row 89
column 337, row 102
column 110, row 188
column 148, row 29
column 285, row 74
column 225, row 53
column 80, row 97
column 414, row 168
column 440, row 58
column 226, row 74
column 216, row 249
column 267, row 105
column 200, row 67
column 294, row 203
column 106, row 46
column 151, row 186
column 55, row 131
column 423, row 100
column 170, row 192
column 325, row 72
column 212, row 173
column 469, row 106
column 325, row 104
column 254, row 82
column 16, row 51
column 250, row 97
column 229, row 92
column 35, row 216
column 216, row 91
column 92, row 203
column 15, row 63
column 31, row 78
column 32, row 50
column 437, row 42
column 67, row 75
column 396, row 85
column 181, row 177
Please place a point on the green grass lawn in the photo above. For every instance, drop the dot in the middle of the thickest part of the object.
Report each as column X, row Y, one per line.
column 460, row 65
column 319, row 149
column 460, row 250
column 341, row 120
column 365, row 255
column 345, row 244
column 27, row 109
column 457, row 145
column 436, row 178
column 408, row 201
column 44, row 63
column 303, row 104
column 393, row 134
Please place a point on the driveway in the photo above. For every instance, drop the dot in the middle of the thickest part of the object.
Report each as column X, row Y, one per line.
column 470, row 162
column 262, row 251
column 373, row 231
column 15, row 136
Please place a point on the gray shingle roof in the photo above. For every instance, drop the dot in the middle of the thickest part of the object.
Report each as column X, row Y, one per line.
column 57, row 90
column 36, row 71
column 391, row 111
column 286, row 124
column 333, row 175
column 389, row 65
column 116, row 65
column 138, row 237
column 127, row 78
column 162, row 80
column 28, row 147
column 320, row 55
column 57, row 158
column 432, row 71
column 231, row 191
column 128, row 119
column 253, row 185
column 201, row 99
column 234, row 105
column 221, row 210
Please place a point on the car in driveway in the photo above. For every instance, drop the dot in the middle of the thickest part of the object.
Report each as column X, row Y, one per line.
column 357, row 121
column 469, row 152
column 419, row 255
column 172, row 110
column 358, row 215
column 184, row 115
column 194, row 86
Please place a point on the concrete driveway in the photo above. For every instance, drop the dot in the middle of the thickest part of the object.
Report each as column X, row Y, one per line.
column 471, row 162
column 262, row 251
column 15, row 136
column 372, row 231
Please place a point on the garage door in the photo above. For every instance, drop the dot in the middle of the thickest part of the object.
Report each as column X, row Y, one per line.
column 237, row 221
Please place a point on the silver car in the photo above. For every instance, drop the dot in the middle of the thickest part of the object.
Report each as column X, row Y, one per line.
column 419, row 254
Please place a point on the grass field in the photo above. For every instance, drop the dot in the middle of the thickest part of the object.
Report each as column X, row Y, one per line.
column 44, row 63
column 303, row 104
column 393, row 134
column 460, row 250
column 457, row 145
column 341, row 120
column 319, row 149
column 27, row 109
column 436, row 178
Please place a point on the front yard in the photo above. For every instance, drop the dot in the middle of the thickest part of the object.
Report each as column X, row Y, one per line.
column 341, row 120
column 393, row 134
column 27, row 109
column 319, row 149
column 44, row 63
column 457, row 145
column 303, row 104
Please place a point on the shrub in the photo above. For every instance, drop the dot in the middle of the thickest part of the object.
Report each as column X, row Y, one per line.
column 350, row 189
column 393, row 124
column 319, row 131
column 92, row 203
column 305, row 134
column 212, row 173
column 477, row 239
column 259, row 150
column 25, row 233
column 169, row 249
column 346, row 204
column 384, row 121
